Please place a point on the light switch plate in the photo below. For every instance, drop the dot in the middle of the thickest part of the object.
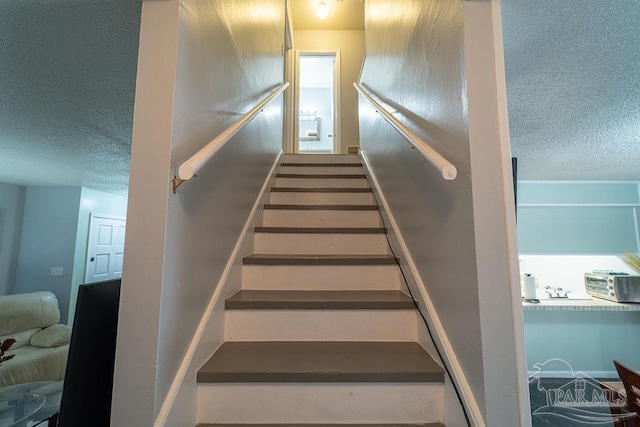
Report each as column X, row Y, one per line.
column 56, row 271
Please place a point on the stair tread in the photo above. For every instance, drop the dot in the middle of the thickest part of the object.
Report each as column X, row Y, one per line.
column 322, row 300
column 323, row 164
column 321, row 176
column 320, row 190
column 322, row 230
column 311, row 259
column 276, row 206
column 320, row 361
column 326, row 425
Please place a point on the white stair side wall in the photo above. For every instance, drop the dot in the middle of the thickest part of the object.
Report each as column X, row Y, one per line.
column 210, row 332
column 321, row 325
column 419, row 291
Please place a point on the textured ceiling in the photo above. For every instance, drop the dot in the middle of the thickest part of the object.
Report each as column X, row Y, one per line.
column 343, row 15
column 67, row 81
column 573, row 90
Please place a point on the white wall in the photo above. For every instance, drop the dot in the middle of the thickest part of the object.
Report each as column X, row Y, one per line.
column 436, row 63
column 201, row 64
column 11, row 211
column 48, row 240
column 319, row 100
column 351, row 45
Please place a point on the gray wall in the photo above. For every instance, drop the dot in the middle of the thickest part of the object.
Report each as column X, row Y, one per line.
column 460, row 233
column 42, row 225
column 201, row 63
column 11, row 212
column 48, row 240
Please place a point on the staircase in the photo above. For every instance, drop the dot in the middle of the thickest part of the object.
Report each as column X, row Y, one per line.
column 320, row 333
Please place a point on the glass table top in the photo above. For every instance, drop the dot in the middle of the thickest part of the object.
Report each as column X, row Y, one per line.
column 23, row 404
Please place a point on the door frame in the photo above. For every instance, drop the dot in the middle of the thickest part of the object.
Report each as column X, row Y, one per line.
column 289, row 76
column 337, row 128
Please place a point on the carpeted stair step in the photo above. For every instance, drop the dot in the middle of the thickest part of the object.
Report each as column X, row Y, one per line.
column 318, row 300
column 326, row 362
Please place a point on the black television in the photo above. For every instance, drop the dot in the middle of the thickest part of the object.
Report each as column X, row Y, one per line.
column 88, row 381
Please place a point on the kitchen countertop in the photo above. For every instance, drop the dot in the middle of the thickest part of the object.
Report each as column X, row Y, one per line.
column 586, row 304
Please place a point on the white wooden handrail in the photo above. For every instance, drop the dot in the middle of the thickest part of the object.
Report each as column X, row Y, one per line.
column 192, row 166
column 449, row 171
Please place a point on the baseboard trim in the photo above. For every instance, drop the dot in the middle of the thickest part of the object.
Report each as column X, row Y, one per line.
column 169, row 400
column 429, row 310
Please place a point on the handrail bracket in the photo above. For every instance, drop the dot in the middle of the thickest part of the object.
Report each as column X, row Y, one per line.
column 176, row 183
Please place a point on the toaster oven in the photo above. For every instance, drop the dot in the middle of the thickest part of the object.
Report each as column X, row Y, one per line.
column 613, row 287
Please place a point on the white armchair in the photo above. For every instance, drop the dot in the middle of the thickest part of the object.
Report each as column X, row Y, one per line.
column 42, row 344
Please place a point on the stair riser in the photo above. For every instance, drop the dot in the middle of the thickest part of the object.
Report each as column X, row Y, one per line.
column 320, row 244
column 320, row 158
column 327, row 170
column 320, row 403
column 279, row 277
column 293, row 198
column 320, row 218
column 320, row 325
column 322, row 182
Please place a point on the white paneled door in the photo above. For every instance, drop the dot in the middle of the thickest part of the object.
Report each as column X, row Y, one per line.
column 105, row 251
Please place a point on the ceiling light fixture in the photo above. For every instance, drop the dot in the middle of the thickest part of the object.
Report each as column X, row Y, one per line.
column 323, row 10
